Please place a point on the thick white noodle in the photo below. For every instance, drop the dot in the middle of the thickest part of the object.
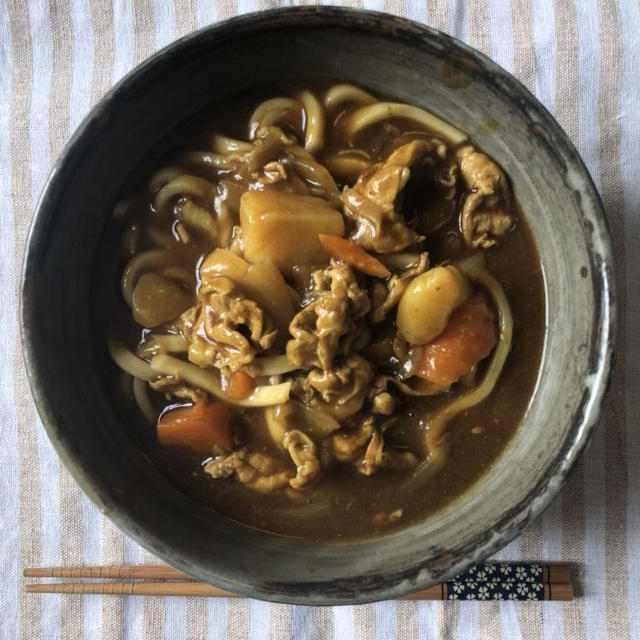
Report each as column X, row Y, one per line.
column 182, row 233
column 277, row 428
column 437, row 447
column 341, row 93
column 205, row 160
column 163, row 343
column 274, row 365
column 141, row 397
column 130, row 363
column 271, row 112
column 163, row 176
column 197, row 218
column 185, row 186
column 208, row 381
column 314, row 121
column 171, row 343
column 346, row 168
column 476, row 395
column 366, row 116
column 225, row 145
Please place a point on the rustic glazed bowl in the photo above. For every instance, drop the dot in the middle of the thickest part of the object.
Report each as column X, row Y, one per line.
column 65, row 347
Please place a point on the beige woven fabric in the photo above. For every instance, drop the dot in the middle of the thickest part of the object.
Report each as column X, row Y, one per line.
column 57, row 57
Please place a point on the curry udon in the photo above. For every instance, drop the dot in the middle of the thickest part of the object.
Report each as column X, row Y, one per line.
column 333, row 311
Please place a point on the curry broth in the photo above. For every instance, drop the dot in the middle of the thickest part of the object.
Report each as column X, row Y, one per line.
column 343, row 503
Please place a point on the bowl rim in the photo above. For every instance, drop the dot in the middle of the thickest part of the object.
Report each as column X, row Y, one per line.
column 599, row 249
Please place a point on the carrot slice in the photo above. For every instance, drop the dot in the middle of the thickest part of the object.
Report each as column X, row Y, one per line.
column 202, row 428
column 352, row 254
column 238, row 385
column 470, row 336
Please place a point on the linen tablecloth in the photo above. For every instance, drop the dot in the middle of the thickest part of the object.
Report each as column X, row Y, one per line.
column 580, row 58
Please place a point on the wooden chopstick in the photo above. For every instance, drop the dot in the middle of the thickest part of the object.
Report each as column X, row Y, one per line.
column 550, row 573
column 495, row 581
column 146, row 572
column 190, row 588
column 444, row 591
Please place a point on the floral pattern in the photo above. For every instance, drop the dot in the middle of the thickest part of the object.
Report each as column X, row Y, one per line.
column 502, row 572
column 495, row 591
column 498, row 582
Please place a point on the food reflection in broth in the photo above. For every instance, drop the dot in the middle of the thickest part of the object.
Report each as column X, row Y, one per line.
column 339, row 312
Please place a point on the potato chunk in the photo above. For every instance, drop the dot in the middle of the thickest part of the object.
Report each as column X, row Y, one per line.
column 428, row 301
column 283, row 228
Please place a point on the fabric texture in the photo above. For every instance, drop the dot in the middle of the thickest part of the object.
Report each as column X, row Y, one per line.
column 579, row 57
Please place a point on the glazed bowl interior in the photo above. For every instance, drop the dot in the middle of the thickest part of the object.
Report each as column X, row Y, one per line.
column 68, row 270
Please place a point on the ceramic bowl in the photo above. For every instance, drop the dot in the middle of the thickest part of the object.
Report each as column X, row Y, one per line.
column 64, row 343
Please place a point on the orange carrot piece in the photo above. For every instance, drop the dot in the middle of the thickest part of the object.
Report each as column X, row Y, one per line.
column 238, row 385
column 470, row 336
column 353, row 255
column 201, row 428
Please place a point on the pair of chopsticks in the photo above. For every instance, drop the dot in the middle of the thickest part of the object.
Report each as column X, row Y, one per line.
column 489, row 581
